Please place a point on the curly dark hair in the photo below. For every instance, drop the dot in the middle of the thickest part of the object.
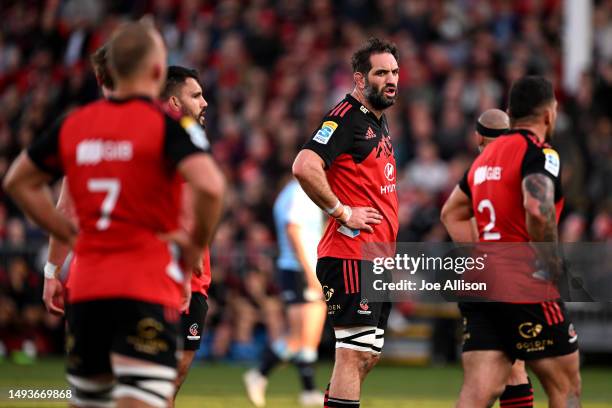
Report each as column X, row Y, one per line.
column 361, row 58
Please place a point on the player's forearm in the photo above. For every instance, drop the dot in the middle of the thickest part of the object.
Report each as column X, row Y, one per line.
column 37, row 204
column 460, row 231
column 456, row 215
column 58, row 251
column 207, row 211
column 540, row 213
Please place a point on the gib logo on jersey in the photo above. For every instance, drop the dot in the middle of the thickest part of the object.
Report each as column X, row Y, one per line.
column 193, row 332
column 325, row 133
column 94, row 151
column 486, row 173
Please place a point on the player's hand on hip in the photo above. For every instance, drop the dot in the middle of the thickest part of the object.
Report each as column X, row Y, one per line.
column 190, row 254
column 198, row 269
column 362, row 218
column 53, row 296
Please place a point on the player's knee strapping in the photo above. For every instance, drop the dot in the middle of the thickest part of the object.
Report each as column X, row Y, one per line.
column 90, row 393
column 361, row 338
column 153, row 385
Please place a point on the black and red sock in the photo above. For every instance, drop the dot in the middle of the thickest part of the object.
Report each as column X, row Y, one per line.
column 517, row 396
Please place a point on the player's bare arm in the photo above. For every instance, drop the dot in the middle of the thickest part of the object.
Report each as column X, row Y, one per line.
column 457, row 216
column 58, row 251
column 540, row 218
column 539, row 203
column 28, row 186
column 309, row 169
column 208, row 187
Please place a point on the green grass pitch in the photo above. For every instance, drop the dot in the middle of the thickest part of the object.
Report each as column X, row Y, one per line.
column 220, row 385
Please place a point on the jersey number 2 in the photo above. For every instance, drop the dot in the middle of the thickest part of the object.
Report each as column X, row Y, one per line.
column 487, row 234
column 111, row 187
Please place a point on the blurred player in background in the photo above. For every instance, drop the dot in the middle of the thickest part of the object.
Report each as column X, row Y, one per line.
column 183, row 95
column 125, row 286
column 494, row 337
column 299, row 226
column 348, row 169
column 492, row 124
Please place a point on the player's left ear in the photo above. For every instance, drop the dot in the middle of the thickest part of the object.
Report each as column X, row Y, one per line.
column 174, row 103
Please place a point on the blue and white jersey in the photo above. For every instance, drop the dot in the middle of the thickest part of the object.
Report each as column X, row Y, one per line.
column 293, row 206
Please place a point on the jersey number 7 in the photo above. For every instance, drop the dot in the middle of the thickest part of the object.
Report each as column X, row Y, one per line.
column 112, row 188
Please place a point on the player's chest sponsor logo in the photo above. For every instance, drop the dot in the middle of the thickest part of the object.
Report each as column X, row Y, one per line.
column 487, row 173
column 94, row 151
column 325, row 133
column 390, row 171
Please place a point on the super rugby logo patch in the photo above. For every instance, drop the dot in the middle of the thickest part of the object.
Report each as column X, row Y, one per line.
column 325, row 133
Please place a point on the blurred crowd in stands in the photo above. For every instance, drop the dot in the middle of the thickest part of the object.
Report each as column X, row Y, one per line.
column 271, row 69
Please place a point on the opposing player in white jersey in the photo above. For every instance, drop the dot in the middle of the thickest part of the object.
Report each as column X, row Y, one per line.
column 299, row 227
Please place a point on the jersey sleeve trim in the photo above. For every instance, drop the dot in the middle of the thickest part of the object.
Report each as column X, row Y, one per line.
column 464, row 185
column 44, row 151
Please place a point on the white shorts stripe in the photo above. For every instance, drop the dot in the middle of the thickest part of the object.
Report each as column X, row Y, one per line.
column 152, row 371
column 87, row 385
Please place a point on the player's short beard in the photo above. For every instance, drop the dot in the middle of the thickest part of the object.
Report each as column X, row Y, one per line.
column 377, row 98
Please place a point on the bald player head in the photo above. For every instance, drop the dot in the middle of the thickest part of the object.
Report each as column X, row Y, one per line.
column 491, row 124
column 137, row 60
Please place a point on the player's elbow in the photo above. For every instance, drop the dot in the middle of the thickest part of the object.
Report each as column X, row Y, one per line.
column 299, row 168
column 445, row 214
column 305, row 166
column 212, row 187
column 450, row 214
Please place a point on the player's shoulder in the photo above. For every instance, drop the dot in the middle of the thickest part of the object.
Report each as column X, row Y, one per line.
column 177, row 122
column 339, row 118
